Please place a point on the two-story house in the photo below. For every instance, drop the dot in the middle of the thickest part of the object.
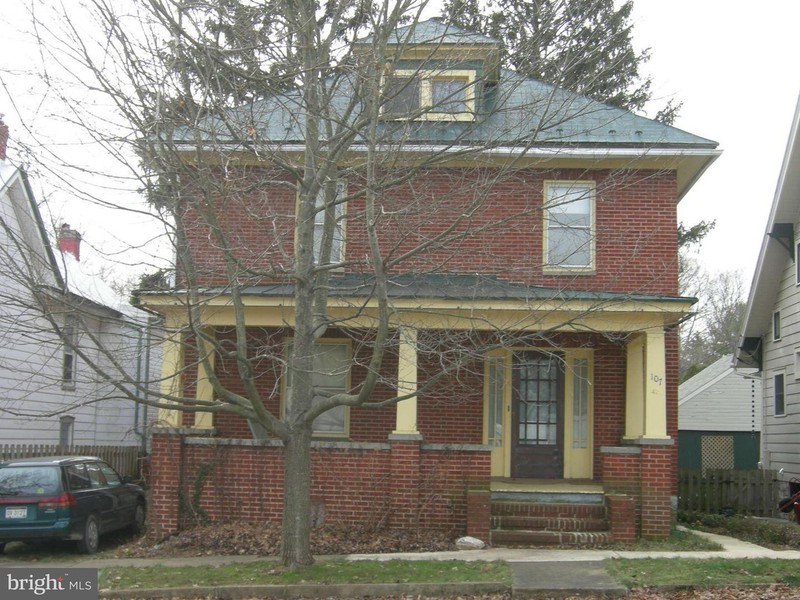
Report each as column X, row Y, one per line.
column 53, row 317
column 531, row 240
column 770, row 340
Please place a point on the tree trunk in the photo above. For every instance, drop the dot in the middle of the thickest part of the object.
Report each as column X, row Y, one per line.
column 296, row 531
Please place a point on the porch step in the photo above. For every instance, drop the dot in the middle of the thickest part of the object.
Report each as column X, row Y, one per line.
column 547, row 522
column 560, row 539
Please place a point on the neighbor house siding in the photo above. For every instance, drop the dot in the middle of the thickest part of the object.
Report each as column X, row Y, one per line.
column 780, row 433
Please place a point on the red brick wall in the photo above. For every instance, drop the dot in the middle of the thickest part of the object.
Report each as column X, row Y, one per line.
column 636, row 224
column 399, row 484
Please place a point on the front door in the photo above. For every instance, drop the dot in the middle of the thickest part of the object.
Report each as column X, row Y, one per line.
column 537, row 429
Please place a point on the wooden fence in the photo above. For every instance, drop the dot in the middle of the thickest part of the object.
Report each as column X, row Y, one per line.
column 754, row 493
column 127, row 460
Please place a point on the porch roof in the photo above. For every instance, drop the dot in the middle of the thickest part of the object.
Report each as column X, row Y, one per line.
column 460, row 287
column 437, row 286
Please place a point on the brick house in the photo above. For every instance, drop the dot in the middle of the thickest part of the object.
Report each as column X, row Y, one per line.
column 562, row 279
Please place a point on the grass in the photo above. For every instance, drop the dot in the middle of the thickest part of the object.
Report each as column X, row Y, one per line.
column 713, row 572
column 772, row 533
column 678, row 541
column 270, row 572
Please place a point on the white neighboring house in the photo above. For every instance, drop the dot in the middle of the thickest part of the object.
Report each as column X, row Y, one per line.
column 719, row 418
column 770, row 340
column 48, row 392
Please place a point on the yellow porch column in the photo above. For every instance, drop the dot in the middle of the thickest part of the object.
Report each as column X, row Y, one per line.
column 171, row 367
column 655, row 386
column 634, row 388
column 646, row 390
column 204, row 390
column 406, row 420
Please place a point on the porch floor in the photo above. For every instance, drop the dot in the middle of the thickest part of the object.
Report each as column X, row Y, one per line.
column 566, row 486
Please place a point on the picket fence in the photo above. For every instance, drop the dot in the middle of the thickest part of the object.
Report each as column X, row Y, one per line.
column 127, row 460
column 754, row 493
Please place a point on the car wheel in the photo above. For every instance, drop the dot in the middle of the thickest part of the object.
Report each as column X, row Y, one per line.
column 138, row 519
column 91, row 536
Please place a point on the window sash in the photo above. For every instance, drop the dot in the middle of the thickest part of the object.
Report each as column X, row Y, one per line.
column 337, row 213
column 68, row 362
column 569, row 218
column 425, row 94
column 779, row 394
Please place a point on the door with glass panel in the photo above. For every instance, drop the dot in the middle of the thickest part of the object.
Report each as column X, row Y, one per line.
column 537, row 411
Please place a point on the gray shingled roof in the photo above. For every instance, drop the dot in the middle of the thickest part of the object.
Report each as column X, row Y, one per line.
column 516, row 112
column 433, row 31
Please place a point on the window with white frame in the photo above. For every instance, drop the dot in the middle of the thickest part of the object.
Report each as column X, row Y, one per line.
column 65, row 430
column 776, row 326
column 329, row 216
column 447, row 95
column 68, row 358
column 778, row 395
column 569, row 225
column 330, row 375
column 797, row 263
column 797, row 363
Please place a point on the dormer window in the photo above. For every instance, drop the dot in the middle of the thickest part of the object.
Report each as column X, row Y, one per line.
column 444, row 95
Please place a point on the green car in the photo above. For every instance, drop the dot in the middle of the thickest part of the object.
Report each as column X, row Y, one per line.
column 66, row 498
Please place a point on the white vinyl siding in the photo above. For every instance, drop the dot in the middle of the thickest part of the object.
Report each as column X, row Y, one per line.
column 721, row 400
column 780, row 433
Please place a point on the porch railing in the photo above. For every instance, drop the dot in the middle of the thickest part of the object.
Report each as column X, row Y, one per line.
column 754, row 493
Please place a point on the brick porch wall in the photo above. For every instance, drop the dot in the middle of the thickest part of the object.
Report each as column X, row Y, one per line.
column 645, row 474
column 403, row 483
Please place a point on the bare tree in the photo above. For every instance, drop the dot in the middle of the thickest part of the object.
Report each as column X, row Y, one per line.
column 260, row 132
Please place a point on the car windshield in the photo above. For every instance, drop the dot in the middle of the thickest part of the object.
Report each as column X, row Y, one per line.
column 29, row 481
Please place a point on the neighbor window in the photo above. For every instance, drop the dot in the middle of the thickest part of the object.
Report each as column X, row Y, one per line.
column 776, row 325
column 335, row 209
column 434, row 95
column 330, row 375
column 69, row 338
column 797, row 363
column 65, row 430
column 778, row 394
column 569, row 225
column 797, row 263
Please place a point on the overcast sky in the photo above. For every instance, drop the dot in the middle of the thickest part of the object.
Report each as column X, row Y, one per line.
column 731, row 63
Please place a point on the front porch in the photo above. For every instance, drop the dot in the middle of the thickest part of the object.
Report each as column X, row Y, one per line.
column 577, row 398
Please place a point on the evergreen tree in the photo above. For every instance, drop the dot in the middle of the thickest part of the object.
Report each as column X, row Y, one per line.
column 581, row 45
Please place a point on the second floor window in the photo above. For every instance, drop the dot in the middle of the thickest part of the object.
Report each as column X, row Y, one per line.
column 569, row 225
column 335, row 212
column 776, row 325
column 778, row 395
column 68, row 358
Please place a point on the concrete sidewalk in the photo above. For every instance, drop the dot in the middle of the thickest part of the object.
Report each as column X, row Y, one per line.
column 538, row 572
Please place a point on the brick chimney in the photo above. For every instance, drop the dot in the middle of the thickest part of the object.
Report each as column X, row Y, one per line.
column 69, row 240
column 3, row 139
